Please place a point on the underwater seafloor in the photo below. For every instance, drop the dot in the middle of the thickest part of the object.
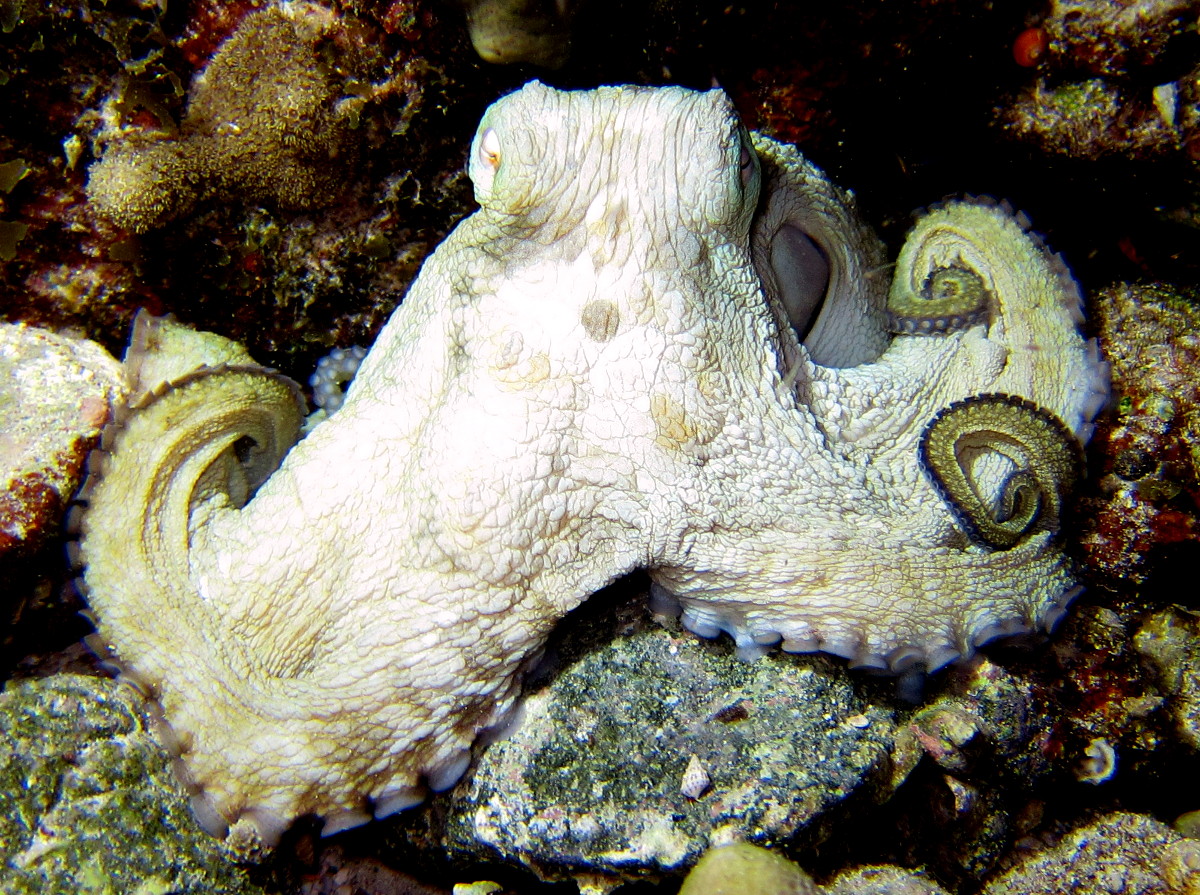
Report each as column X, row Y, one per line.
column 1067, row 765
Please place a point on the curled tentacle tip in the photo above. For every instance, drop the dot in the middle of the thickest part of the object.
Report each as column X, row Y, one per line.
column 952, row 298
column 1043, row 461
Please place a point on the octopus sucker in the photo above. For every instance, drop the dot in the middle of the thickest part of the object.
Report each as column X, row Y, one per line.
column 952, row 298
column 329, row 624
column 1046, row 458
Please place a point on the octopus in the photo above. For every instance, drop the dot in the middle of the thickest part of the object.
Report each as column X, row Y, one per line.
column 662, row 342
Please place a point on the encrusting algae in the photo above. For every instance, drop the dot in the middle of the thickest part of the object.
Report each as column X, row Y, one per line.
column 264, row 122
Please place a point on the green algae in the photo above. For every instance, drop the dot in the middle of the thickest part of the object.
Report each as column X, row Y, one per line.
column 88, row 803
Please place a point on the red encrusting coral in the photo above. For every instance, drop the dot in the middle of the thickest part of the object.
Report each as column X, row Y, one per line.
column 209, row 23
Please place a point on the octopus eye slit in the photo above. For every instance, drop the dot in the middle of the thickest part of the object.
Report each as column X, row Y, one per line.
column 489, row 149
column 746, row 167
column 747, row 158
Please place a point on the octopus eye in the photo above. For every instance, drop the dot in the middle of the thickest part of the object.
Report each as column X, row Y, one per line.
column 489, row 149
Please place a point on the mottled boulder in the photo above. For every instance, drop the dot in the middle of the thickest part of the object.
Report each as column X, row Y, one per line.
column 591, row 780
column 55, row 392
column 1170, row 639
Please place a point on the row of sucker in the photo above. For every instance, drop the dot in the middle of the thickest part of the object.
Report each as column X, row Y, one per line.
column 1046, row 462
column 753, row 640
column 952, row 298
column 332, row 377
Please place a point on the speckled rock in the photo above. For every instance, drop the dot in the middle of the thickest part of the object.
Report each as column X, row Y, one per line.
column 592, row 776
column 1119, row 854
column 1170, row 639
column 88, row 804
column 882, row 881
column 1148, row 491
column 1089, row 119
column 54, row 397
column 1112, row 37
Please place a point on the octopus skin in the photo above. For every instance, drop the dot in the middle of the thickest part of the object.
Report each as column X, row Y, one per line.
column 661, row 342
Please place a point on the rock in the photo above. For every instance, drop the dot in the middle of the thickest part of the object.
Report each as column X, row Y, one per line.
column 743, row 869
column 1088, row 119
column 55, row 392
column 882, row 881
column 592, row 776
column 88, row 803
column 1114, row 112
column 537, row 32
column 979, row 743
column 1119, row 854
column 264, row 122
column 1111, row 37
column 1171, row 640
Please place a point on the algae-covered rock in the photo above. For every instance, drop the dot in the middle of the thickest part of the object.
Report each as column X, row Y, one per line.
column 265, row 122
column 1170, row 639
column 594, row 776
column 1119, row 854
column 88, row 803
column 882, row 881
column 1147, row 498
column 744, row 869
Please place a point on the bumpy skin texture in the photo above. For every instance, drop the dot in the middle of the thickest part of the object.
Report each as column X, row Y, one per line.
column 587, row 378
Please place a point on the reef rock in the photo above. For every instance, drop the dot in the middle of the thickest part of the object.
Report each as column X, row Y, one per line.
column 1170, row 639
column 55, row 392
column 591, row 778
column 263, row 122
column 1119, row 854
column 1148, row 497
column 88, row 802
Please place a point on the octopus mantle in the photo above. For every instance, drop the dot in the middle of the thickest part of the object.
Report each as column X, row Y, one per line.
column 661, row 342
